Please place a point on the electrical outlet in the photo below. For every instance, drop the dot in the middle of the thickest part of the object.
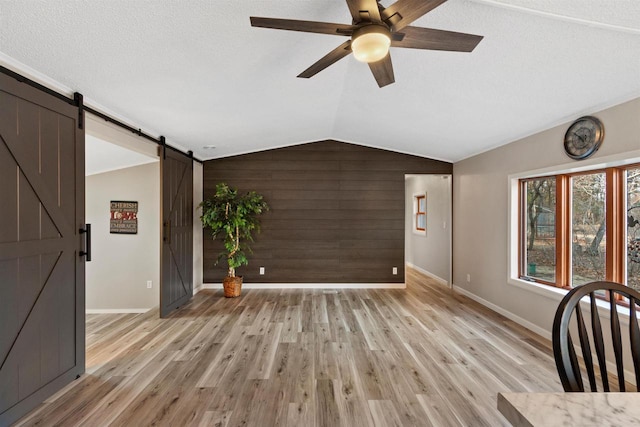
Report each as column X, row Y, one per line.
column 262, row 271
column 149, row 284
column 468, row 278
column 395, row 271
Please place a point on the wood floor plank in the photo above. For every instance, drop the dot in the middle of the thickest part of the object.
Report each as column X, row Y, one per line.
column 404, row 401
column 327, row 413
column 421, row 356
column 384, row 414
column 300, row 414
column 74, row 402
column 192, row 408
column 200, row 340
column 263, row 361
column 107, row 409
column 353, row 410
column 319, row 308
column 438, row 412
column 300, row 384
column 217, row 367
column 291, row 325
column 263, row 319
column 215, row 419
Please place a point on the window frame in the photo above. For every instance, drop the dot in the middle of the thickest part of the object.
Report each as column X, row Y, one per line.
column 615, row 221
column 625, row 266
column 416, row 212
column 522, row 231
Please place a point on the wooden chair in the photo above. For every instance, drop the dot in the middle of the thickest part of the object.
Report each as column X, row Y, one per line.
column 563, row 348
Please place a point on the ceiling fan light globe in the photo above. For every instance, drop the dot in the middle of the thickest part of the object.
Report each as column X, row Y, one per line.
column 370, row 47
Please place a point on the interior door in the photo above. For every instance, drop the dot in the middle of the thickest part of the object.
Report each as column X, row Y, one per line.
column 176, row 281
column 42, row 336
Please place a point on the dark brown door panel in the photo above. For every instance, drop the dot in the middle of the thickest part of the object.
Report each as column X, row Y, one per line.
column 41, row 272
column 176, row 287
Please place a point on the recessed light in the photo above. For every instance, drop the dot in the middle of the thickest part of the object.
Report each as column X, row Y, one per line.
column 208, row 147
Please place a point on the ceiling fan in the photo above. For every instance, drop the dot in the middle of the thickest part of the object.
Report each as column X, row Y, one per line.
column 373, row 30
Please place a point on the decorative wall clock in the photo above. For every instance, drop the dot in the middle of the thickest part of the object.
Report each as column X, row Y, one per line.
column 583, row 138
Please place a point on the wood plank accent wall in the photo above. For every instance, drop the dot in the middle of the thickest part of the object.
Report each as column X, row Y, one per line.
column 336, row 212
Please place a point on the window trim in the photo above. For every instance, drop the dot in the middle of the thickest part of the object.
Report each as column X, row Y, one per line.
column 414, row 217
column 418, row 212
column 522, row 232
column 615, row 234
column 622, row 160
column 615, row 205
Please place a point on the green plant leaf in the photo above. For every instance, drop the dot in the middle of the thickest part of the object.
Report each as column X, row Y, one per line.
column 233, row 218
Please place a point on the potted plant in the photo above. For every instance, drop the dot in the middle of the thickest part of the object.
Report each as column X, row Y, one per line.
column 233, row 218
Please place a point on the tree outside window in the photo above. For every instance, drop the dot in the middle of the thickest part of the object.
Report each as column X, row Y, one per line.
column 588, row 228
column 540, row 217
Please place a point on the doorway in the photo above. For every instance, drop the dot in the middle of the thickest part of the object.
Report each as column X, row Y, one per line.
column 428, row 234
column 124, row 273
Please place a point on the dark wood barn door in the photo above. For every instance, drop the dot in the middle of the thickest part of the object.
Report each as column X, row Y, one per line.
column 42, row 336
column 176, row 282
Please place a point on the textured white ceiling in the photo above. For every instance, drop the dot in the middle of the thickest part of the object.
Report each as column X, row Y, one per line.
column 198, row 73
column 102, row 156
column 617, row 13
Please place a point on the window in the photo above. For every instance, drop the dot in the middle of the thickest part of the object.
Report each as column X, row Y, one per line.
column 581, row 227
column 539, row 237
column 588, row 228
column 633, row 228
column 421, row 212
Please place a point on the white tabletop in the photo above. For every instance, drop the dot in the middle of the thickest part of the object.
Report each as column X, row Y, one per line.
column 570, row 409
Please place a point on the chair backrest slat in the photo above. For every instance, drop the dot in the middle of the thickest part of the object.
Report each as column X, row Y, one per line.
column 586, row 348
column 634, row 338
column 599, row 341
column 616, row 338
column 563, row 347
column 574, row 362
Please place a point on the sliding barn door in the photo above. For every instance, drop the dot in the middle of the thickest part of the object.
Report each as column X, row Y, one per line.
column 41, row 270
column 176, row 282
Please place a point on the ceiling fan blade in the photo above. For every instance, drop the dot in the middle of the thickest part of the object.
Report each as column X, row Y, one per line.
column 429, row 38
column 303, row 26
column 407, row 11
column 331, row 58
column 364, row 10
column 383, row 71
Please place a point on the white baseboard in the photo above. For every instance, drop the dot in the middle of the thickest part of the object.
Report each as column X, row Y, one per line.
column 629, row 375
column 509, row 315
column 429, row 274
column 115, row 310
column 311, row 286
column 198, row 288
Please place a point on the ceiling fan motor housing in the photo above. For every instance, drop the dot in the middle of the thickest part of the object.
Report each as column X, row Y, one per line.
column 370, row 43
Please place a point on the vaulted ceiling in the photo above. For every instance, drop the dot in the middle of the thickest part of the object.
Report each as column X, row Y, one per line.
column 198, row 73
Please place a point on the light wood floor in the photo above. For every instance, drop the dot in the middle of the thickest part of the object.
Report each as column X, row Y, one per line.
column 416, row 357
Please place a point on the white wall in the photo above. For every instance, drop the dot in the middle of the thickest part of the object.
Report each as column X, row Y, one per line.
column 430, row 252
column 481, row 216
column 122, row 264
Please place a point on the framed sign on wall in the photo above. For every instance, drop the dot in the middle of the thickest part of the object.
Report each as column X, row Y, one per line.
column 124, row 217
